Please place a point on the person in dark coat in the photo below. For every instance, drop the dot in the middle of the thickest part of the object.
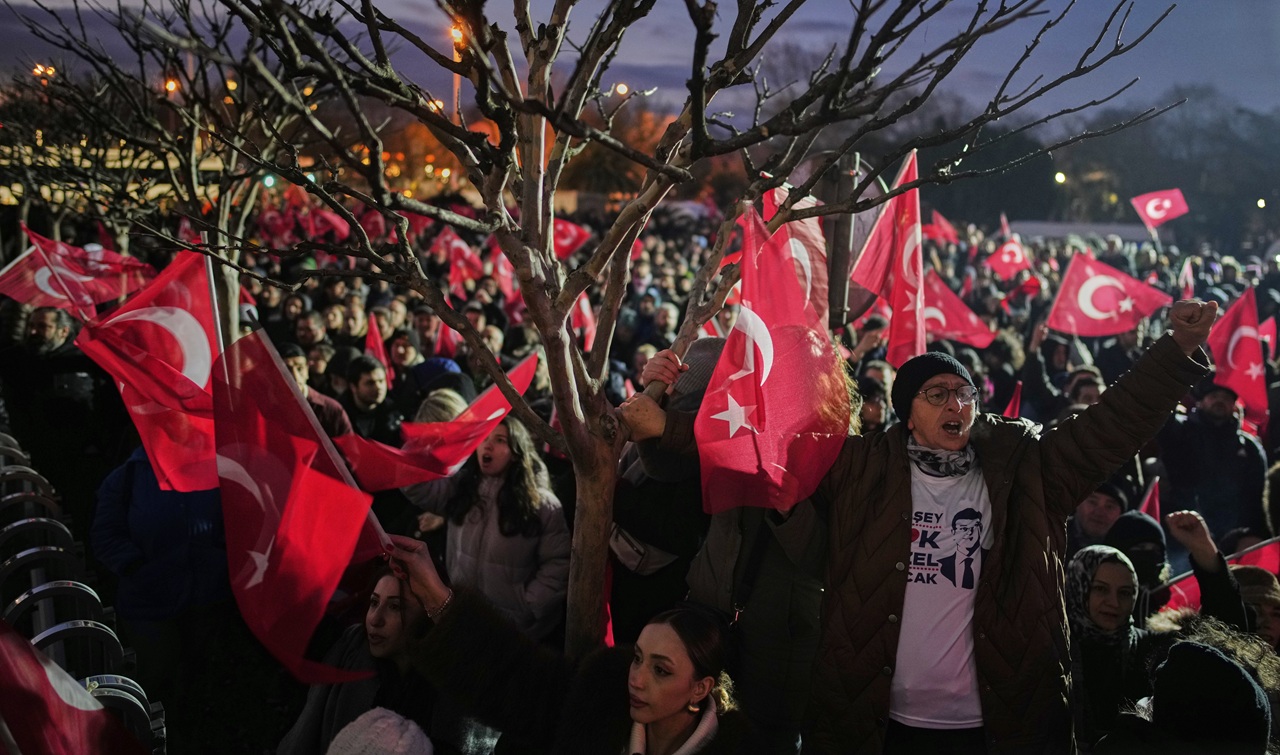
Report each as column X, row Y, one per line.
column 666, row 694
column 1109, row 654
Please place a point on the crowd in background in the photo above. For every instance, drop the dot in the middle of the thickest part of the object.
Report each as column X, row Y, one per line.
column 500, row 528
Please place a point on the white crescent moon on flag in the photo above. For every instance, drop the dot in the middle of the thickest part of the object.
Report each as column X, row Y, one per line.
column 758, row 337
column 232, row 470
column 1244, row 331
column 801, row 254
column 197, row 359
column 933, row 313
column 45, row 273
column 1157, row 208
column 1011, row 253
column 1085, row 298
column 909, row 251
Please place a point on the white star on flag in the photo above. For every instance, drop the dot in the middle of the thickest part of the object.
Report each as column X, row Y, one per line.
column 736, row 416
column 260, row 561
column 1126, row 304
column 1254, row 371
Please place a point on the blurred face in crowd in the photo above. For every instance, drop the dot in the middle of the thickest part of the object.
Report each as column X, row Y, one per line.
column 494, row 454
column 1218, row 405
column 371, row 389
column 1268, row 622
column 387, row 621
column 943, row 427
column 1097, row 513
column 493, row 338
column 873, row 413
column 427, row 324
column 335, row 316
column 662, row 683
column 1087, row 393
column 310, row 330
column 356, row 322
column 316, row 362
column 403, row 354
column 298, row 368
column 399, row 314
column 43, row 333
column 476, row 316
column 1111, row 596
column 726, row 317
column 293, row 307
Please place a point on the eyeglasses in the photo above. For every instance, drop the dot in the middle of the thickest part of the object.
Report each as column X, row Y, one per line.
column 939, row 395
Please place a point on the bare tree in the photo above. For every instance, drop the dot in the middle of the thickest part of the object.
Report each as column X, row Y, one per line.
column 897, row 56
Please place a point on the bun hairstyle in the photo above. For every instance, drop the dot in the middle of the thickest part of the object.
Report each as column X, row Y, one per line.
column 705, row 637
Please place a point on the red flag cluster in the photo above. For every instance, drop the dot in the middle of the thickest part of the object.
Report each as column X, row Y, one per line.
column 464, row 264
column 54, row 274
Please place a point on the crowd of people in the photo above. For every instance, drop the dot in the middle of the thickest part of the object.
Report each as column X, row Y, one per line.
column 961, row 581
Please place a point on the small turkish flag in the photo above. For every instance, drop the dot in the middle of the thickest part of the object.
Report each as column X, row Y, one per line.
column 568, row 238
column 940, row 229
column 583, row 318
column 891, row 266
column 376, row 347
column 947, row 317
column 1237, row 353
column 808, row 249
column 1151, row 501
column 1014, row 409
column 1009, row 260
column 1159, row 207
column 1099, row 300
column 464, row 264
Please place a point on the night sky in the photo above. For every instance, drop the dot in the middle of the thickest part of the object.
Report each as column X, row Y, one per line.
column 1227, row 44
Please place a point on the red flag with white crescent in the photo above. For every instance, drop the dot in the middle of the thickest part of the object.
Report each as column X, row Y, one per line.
column 891, row 266
column 776, row 411
column 1009, row 260
column 159, row 347
column 1098, row 300
column 293, row 518
column 947, row 317
column 808, row 249
column 464, row 264
column 568, row 238
column 940, row 229
column 43, row 709
column 582, row 319
column 1237, row 354
column 1159, row 207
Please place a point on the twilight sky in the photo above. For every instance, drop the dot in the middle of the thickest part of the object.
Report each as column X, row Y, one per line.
column 1228, row 44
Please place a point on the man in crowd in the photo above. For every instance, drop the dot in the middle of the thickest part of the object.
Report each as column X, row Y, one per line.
column 333, row 420
column 371, row 415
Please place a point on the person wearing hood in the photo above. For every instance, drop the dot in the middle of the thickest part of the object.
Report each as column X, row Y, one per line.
column 1212, row 466
column 1109, row 652
column 1142, row 540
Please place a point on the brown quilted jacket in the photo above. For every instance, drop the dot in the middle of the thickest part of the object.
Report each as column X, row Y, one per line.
column 1020, row 626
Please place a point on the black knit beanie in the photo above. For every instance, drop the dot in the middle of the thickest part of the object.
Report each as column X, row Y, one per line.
column 1204, row 697
column 916, row 372
column 1133, row 527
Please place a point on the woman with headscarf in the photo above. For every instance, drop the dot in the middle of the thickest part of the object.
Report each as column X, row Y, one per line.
column 1109, row 655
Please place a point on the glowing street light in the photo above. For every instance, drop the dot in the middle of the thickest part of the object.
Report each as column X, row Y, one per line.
column 170, row 85
column 621, row 89
column 1060, row 177
column 455, row 32
column 1262, row 204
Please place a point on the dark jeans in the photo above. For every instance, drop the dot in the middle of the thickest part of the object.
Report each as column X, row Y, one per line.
column 901, row 739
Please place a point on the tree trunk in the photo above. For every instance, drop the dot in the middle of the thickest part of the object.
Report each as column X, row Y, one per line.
column 595, row 468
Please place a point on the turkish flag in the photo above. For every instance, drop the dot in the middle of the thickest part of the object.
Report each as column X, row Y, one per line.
column 1009, row 260
column 464, row 264
column 53, row 274
column 503, row 271
column 433, row 449
column 776, row 410
column 1099, row 300
column 940, row 229
column 808, row 250
column 376, row 348
column 328, row 221
column 1237, row 354
column 568, row 238
column 583, row 318
column 160, row 347
column 292, row 519
column 1014, row 409
column 1185, row 592
column 946, row 316
column 890, row 265
column 1151, row 501
column 44, row 710
column 1159, row 207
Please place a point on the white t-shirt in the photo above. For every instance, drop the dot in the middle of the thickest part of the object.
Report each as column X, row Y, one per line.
column 935, row 682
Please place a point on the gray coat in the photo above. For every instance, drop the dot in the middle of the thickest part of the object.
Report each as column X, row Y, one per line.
column 525, row 578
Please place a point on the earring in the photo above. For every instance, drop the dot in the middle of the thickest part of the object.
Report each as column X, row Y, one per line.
column 693, row 708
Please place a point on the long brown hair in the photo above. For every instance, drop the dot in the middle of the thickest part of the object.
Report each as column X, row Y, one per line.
column 521, row 492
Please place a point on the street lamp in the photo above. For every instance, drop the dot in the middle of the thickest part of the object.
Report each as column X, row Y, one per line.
column 1060, row 177
column 170, row 85
column 455, row 32
column 621, row 89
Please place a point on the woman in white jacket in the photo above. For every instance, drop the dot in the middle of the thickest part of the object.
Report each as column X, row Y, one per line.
column 507, row 535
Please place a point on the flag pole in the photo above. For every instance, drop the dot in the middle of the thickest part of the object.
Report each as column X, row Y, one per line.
column 219, row 336
column 1228, row 559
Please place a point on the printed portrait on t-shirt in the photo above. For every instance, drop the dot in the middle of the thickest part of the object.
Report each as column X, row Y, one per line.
column 963, row 564
column 950, row 532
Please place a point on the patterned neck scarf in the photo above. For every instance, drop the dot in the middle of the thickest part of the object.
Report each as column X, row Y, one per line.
column 937, row 462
